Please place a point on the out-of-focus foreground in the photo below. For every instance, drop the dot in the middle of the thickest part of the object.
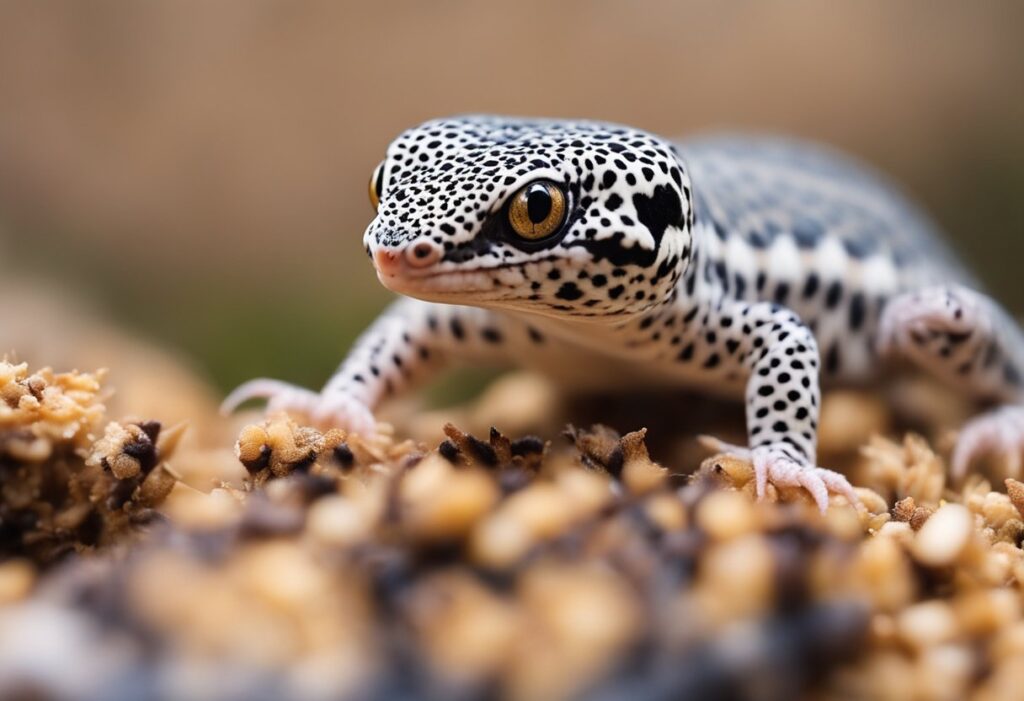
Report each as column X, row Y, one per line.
column 329, row 566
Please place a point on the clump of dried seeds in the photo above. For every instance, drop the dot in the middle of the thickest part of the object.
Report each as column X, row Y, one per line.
column 347, row 567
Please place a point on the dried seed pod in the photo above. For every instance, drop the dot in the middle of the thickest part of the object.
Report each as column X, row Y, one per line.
column 724, row 515
column 666, row 511
column 737, row 472
column 927, row 624
column 737, row 578
column 452, row 509
column 639, row 473
column 467, row 631
column 1015, row 490
column 156, row 486
column 337, row 521
column 944, row 537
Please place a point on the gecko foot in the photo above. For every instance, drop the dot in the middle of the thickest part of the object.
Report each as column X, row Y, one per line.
column 777, row 463
column 1000, row 431
column 916, row 318
column 335, row 409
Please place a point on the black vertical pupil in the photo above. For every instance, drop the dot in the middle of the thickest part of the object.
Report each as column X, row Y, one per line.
column 378, row 182
column 538, row 203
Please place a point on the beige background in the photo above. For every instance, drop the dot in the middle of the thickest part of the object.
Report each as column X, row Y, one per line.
column 198, row 169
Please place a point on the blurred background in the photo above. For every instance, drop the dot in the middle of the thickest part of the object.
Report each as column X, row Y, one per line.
column 193, row 174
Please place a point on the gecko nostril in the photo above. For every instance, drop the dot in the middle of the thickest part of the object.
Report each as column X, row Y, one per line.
column 423, row 254
column 386, row 261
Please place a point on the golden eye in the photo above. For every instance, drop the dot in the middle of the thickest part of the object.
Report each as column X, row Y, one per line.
column 377, row 186
column 537, row 210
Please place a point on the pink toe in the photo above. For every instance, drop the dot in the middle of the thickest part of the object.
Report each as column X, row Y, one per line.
column 814, row 484
column 261, row 388
column 760, row 478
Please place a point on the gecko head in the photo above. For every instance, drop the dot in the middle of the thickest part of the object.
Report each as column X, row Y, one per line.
column 560, row 218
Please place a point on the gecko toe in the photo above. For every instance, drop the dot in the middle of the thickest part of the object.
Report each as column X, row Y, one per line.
column 999, row 432
column 813, row 483
column 259, row 388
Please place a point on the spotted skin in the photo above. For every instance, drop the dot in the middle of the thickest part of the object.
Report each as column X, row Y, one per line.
column 746, row 266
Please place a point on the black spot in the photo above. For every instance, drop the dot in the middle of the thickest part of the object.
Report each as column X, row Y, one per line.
column 457, row 330
column 569, row 291
column 781, row 292
column 801, row 413
column 835, row 291
column 343, row 454
column 712, row 361
column 780, row 427
column 857, row 311
column 811, row 285
column 657, row 212
column 491, row 335
column 613, row 202
column 832, row 359
column 535, row 335
column 740, row 286
column 765, row 390
column 609, row 179
column 599, row 280
column 807, row 233
column 858, row 248
column 616, row 292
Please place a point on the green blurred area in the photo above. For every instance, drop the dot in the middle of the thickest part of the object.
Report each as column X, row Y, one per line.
column 198, row 170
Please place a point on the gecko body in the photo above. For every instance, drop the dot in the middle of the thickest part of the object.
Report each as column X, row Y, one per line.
column 747, row 266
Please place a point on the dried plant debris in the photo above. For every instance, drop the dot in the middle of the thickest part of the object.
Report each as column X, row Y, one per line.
column 61, row 490
column 355, row 568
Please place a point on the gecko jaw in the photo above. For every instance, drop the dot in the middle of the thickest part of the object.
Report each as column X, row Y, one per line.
column 479, row 284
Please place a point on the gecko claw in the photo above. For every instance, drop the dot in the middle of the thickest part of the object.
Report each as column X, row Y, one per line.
column 335, row 409
column 259, row 388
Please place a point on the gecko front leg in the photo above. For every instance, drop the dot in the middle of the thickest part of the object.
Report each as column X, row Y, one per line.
column 408, row 343
column 780, row 355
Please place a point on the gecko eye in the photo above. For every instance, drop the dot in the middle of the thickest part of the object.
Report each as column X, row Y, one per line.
column 377, row 185
column 537, row 210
